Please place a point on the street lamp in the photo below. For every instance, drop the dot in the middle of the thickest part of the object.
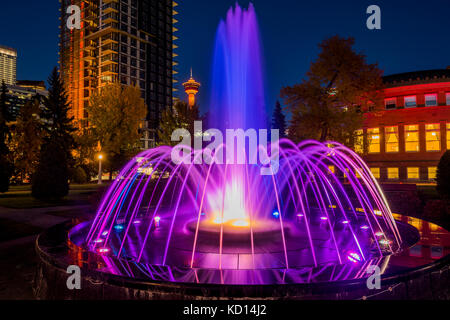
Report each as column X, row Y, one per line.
column 100, row 173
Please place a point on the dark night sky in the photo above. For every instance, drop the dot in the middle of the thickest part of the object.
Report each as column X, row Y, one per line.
column 414, row 35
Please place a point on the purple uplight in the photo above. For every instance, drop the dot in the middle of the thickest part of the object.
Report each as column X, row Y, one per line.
column 354, row 257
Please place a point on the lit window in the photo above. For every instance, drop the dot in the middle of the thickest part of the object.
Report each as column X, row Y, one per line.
column 391, row 134
column 432, row 172
column 359, row 141
column 390, row 103
column 393, row 173
column 413, row 173
column 410, row 102
column 447, row 96
column 331, row 169
column 373, row 137
column 433, row 137
column 448, row 136
column 376, row 172
column 431, row 100
column 412, row 138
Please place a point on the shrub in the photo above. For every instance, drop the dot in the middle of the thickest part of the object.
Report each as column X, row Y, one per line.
column 443, row 176
column 79, row 175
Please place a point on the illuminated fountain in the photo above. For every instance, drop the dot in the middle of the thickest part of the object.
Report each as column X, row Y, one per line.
column 321, row 217
column 322, row 208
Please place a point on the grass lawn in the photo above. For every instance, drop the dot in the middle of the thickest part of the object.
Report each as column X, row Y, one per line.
column 19, row 197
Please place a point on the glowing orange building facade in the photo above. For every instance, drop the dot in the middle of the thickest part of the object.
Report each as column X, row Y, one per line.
column 405, row 141
column 125, row 41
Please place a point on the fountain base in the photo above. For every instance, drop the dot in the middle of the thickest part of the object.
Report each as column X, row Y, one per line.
column 405, row 276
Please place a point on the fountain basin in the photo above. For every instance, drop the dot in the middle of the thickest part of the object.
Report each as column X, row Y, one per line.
column 406, row 274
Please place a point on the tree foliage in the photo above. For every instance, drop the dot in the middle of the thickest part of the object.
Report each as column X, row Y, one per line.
column 340, row 85
column 51, row 180
column 443, row 176
column 181, row 116
column 27, row 139
column 115, row 113
column 279, row 120
column 6, row 166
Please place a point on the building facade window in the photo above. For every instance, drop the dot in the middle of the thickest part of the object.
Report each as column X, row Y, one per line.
column 331, row 169
column 373, row 137
column 392, row 139
column 359, row 141
column 392, row 173
column 376, row 172
column 413, row 173
column 448, row 136
column 412, row 138
column 390, row 103
column 432, row 173
column 433, row 137
column 410, row 102
column 431, row 100
column 447, row 97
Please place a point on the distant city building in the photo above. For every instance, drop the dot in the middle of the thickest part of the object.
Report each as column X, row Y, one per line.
column 191, row 87
column 405, row 141
column 17, row 96
column 126, row 41
column 36, row 85
column 8, row 65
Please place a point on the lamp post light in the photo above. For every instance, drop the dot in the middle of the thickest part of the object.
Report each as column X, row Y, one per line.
column 100, row 171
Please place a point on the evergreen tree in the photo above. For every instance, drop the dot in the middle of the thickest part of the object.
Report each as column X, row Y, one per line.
column 443, row 176
column 279, row 120
column 51, row 180
column 6, row 167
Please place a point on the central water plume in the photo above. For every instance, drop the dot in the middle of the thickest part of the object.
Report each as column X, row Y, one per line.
column 238, row 87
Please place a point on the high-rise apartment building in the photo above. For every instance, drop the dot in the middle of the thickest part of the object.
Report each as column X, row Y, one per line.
column 125, row 41
column 8, row 63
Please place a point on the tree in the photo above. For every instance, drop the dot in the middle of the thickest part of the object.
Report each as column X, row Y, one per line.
column 279, row 120
column 181, row 116
column 115, row 114
column 340, row 86
column 6, row 167
column 87, row 151
column 51, row 179
column 27, row 139
column 443, row 176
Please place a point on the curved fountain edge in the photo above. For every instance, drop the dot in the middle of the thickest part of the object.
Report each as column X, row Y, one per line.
column 430, row 281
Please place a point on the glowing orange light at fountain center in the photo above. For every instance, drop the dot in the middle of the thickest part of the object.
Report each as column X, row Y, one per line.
column 234, row 211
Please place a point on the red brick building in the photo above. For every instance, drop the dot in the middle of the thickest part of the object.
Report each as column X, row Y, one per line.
column 405, row 141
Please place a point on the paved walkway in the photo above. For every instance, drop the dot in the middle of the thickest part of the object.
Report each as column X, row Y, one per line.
column 17, row 257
